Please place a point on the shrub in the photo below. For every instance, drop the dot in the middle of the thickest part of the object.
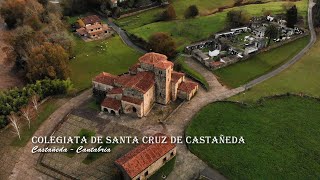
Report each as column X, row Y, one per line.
column 163, row 43
column 169, row 14
column 12, row 100
column 191, row 12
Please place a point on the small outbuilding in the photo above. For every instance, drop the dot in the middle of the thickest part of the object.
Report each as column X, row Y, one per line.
column 146, row 159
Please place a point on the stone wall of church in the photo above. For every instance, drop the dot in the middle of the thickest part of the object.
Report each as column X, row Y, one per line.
column 163, row 83
column 148, row 100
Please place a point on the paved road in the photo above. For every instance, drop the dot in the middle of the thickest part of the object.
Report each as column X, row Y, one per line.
column 187, row 164
column 125, row 37
column 295, row 58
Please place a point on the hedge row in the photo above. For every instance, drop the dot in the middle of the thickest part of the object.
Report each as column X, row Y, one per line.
column 12, row 100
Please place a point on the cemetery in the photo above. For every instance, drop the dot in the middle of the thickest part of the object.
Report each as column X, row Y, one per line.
column 261, row 34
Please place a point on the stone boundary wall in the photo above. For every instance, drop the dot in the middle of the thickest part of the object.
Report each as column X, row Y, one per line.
column 41, row 164
column 139, row 10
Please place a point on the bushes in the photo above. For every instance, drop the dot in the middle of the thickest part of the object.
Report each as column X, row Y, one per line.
column 163, row 43
column 191, row 12
column 12, row 100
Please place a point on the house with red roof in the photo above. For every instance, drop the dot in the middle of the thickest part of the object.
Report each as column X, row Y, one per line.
column 151, row 80
column 146, row 159
column 92, row 27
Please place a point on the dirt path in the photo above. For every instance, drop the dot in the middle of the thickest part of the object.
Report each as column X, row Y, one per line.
column 8, row 76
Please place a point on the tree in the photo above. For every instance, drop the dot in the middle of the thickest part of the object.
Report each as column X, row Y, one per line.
column 238, row 2
column 272, row 32
column 292, row 16
column 316, row 13
column 191, row 12
column 116, row 12
column 34, row 100
column 236, row 18
column 48, row 61
column 161, row 42
column 169, row 13
column 12, row 12
column 26, row 113
column 14, row 122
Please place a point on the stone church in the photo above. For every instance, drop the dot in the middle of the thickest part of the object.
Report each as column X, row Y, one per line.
column 151, row 80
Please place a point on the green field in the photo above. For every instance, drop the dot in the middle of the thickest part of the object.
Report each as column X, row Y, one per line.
column 185, row 31
column 206, row 7
column 302, row 77
column 191, row 72
column 242, row 72
column 110, row 55
column 281, row 135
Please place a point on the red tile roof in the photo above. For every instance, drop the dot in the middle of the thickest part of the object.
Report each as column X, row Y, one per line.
column 156, row 59
column 216, row 63
column 141, row 157
column 176, row 76
column 152, row 58
column 134, row 68
column 142, row 81
column 111, row 103
column 115, row 91
column 132, row 100
column 123, row 80
column 187, row 86
column 105, row 78
column 164, row 64
column 91, row 19
column 95, row 26
column 81, row 31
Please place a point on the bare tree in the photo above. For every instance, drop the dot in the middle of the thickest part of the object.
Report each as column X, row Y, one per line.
column 34, row 100
column 26, row 113
column 14, row 122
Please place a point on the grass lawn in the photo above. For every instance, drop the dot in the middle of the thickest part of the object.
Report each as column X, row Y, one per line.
column 242, row 72
column 83, row 133
column 191, row 72
column 185, row 31
column 281, row 135
column 94, row 105
column 206, row 7
column 302, row 77
column 45, row 111
column 110, row 55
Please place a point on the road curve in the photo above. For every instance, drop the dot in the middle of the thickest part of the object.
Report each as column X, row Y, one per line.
column 295, row 58
column 125, row 37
